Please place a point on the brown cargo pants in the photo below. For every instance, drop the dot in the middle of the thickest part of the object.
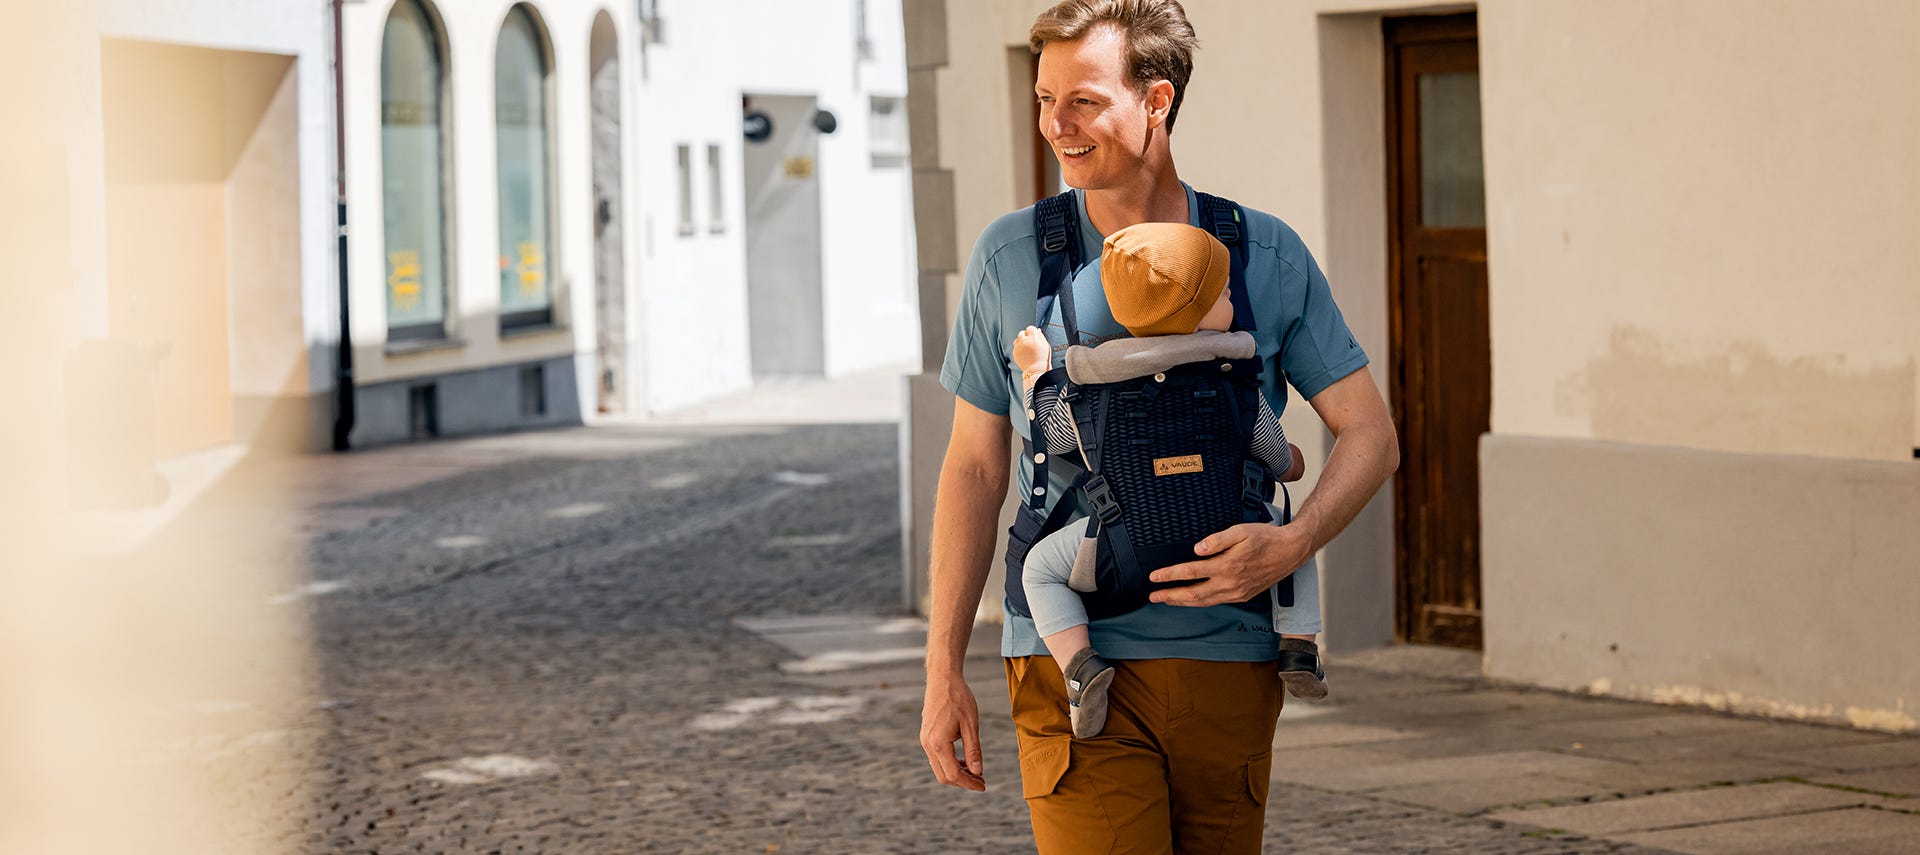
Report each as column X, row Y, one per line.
column 1182, row 765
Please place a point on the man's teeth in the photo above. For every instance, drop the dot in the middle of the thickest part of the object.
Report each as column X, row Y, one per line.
column 1077, row 150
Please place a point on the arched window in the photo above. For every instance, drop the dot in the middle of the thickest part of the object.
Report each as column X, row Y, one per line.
column 413, row 173
column 520, row 72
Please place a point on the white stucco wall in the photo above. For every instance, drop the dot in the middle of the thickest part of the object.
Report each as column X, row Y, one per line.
column 687, row 307
column 693, row 313
column 471, row 31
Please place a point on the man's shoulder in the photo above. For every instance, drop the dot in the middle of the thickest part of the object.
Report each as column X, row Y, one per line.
column 1007, row 230
column 1269, row 232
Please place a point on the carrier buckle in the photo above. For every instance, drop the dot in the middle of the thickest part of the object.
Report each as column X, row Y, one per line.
column 1105, row 506
column 1253, row 484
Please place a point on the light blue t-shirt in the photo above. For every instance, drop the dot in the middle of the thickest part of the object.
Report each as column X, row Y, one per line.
column 1299, row 330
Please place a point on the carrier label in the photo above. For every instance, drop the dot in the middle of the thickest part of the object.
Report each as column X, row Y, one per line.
column 1178, row 465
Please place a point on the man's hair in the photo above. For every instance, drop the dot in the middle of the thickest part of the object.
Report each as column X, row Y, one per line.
column 1160, row 41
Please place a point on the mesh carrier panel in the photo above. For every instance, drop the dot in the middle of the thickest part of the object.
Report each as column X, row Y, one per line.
column 1193, row 414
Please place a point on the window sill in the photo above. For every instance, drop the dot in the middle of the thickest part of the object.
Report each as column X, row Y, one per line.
column 533, row 330
column 423, row 345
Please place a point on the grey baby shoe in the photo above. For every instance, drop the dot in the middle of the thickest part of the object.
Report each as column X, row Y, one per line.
column 1300, row 669
column 1088, row 677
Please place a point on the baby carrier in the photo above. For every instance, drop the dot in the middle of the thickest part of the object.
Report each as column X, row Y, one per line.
column 1164, row 459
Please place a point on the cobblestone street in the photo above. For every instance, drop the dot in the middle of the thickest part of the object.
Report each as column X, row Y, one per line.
column 545, row 648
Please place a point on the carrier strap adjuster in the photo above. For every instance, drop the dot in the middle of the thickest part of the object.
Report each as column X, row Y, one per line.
column 1054, row 222
column 1226, row 223
column 1105, row 506
column 1253, row 483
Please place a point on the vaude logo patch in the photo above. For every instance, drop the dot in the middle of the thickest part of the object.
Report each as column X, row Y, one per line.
column 1178, row 465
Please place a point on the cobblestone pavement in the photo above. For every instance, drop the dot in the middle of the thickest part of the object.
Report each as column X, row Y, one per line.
column 541, row 655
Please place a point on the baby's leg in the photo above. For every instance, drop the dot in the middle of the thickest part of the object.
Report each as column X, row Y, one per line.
column 1058, row 614
column 1300, row 667
column 1066, row 644
column 1302, row 619
column 1061, row 620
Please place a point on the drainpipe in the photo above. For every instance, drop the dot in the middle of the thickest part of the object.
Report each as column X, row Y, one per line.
column 343, row 413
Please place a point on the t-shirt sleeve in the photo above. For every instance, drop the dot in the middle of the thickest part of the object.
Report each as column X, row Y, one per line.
column 1318, row 348
column 975, row 368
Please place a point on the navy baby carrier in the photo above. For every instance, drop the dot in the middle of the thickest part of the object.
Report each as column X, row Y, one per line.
column 1164, row 460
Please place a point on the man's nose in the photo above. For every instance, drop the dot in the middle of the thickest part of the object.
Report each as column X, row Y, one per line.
column 1052, row 125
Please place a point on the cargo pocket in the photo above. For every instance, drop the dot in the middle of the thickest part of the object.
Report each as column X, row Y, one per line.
column 1042, row 764
column 1259, row 776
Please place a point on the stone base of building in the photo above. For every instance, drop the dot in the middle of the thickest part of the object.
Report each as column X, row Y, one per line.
column 1760, row 584
column 541, row 393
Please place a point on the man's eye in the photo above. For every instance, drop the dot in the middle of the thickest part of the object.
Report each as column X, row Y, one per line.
column 1084, row 101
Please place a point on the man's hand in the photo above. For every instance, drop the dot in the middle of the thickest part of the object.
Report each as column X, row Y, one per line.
column 951, row 713
column 1235, row 565
column 966, row 519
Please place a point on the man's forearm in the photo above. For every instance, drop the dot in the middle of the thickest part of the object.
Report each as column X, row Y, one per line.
column 1362, row 459
column 966, row 516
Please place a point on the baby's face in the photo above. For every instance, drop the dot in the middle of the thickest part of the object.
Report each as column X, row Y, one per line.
column 1220, row 317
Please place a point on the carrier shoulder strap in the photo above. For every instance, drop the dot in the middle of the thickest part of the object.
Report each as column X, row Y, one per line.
column 1056, row 227
column 1223, row 218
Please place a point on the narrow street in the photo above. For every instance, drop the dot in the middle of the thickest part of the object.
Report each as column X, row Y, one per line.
column 570, row 618
column 574, row 641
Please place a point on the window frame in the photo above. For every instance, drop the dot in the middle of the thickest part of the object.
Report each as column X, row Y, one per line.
column 547, row 316
column 443, row 329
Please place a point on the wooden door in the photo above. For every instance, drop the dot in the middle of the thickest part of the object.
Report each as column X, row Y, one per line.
column 1442, row 377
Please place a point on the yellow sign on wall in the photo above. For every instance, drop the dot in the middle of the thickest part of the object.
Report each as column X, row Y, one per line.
column 799, row 166
column 533, row 269
column 403, row 279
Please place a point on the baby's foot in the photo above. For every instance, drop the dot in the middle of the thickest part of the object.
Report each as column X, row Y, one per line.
column 1088, row 677
column 1300, row 669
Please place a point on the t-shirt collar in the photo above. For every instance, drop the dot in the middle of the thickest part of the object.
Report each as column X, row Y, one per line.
column 1091, row 238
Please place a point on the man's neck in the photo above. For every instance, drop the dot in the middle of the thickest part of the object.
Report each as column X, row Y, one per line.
column 1157, row 198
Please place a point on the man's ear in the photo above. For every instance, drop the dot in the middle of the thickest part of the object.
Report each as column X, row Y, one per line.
column 1159, row 103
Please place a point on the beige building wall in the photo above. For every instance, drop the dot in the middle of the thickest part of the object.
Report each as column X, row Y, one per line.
column 157, row 254
column 1700, row 221
column 1705, row 334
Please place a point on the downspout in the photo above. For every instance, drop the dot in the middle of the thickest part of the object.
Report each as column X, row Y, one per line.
column 343, row 413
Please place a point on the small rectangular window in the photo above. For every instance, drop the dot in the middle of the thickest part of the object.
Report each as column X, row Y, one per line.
column 533, row 391
column 716, row 212
column 887, row 131
column 423, row 412
column 686, row 189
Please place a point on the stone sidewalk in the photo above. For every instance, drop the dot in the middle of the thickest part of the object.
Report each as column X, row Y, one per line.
column 1418, row 727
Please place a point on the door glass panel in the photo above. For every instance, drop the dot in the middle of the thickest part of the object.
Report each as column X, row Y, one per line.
column 1452, row 184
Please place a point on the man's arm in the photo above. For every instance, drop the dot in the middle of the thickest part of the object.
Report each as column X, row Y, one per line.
column 966, row 517
column 1249, row 558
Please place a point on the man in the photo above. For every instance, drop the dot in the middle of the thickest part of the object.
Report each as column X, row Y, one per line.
column 1184, row 762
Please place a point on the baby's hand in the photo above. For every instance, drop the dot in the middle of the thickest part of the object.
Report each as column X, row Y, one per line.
column 1031, row 351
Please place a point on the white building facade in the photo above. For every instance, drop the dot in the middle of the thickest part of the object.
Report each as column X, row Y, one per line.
column 555, row 214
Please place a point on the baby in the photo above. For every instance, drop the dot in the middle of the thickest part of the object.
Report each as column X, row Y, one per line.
column 1166, row 283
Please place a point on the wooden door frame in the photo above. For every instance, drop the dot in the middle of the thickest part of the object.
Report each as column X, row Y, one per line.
column 1402, row 200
